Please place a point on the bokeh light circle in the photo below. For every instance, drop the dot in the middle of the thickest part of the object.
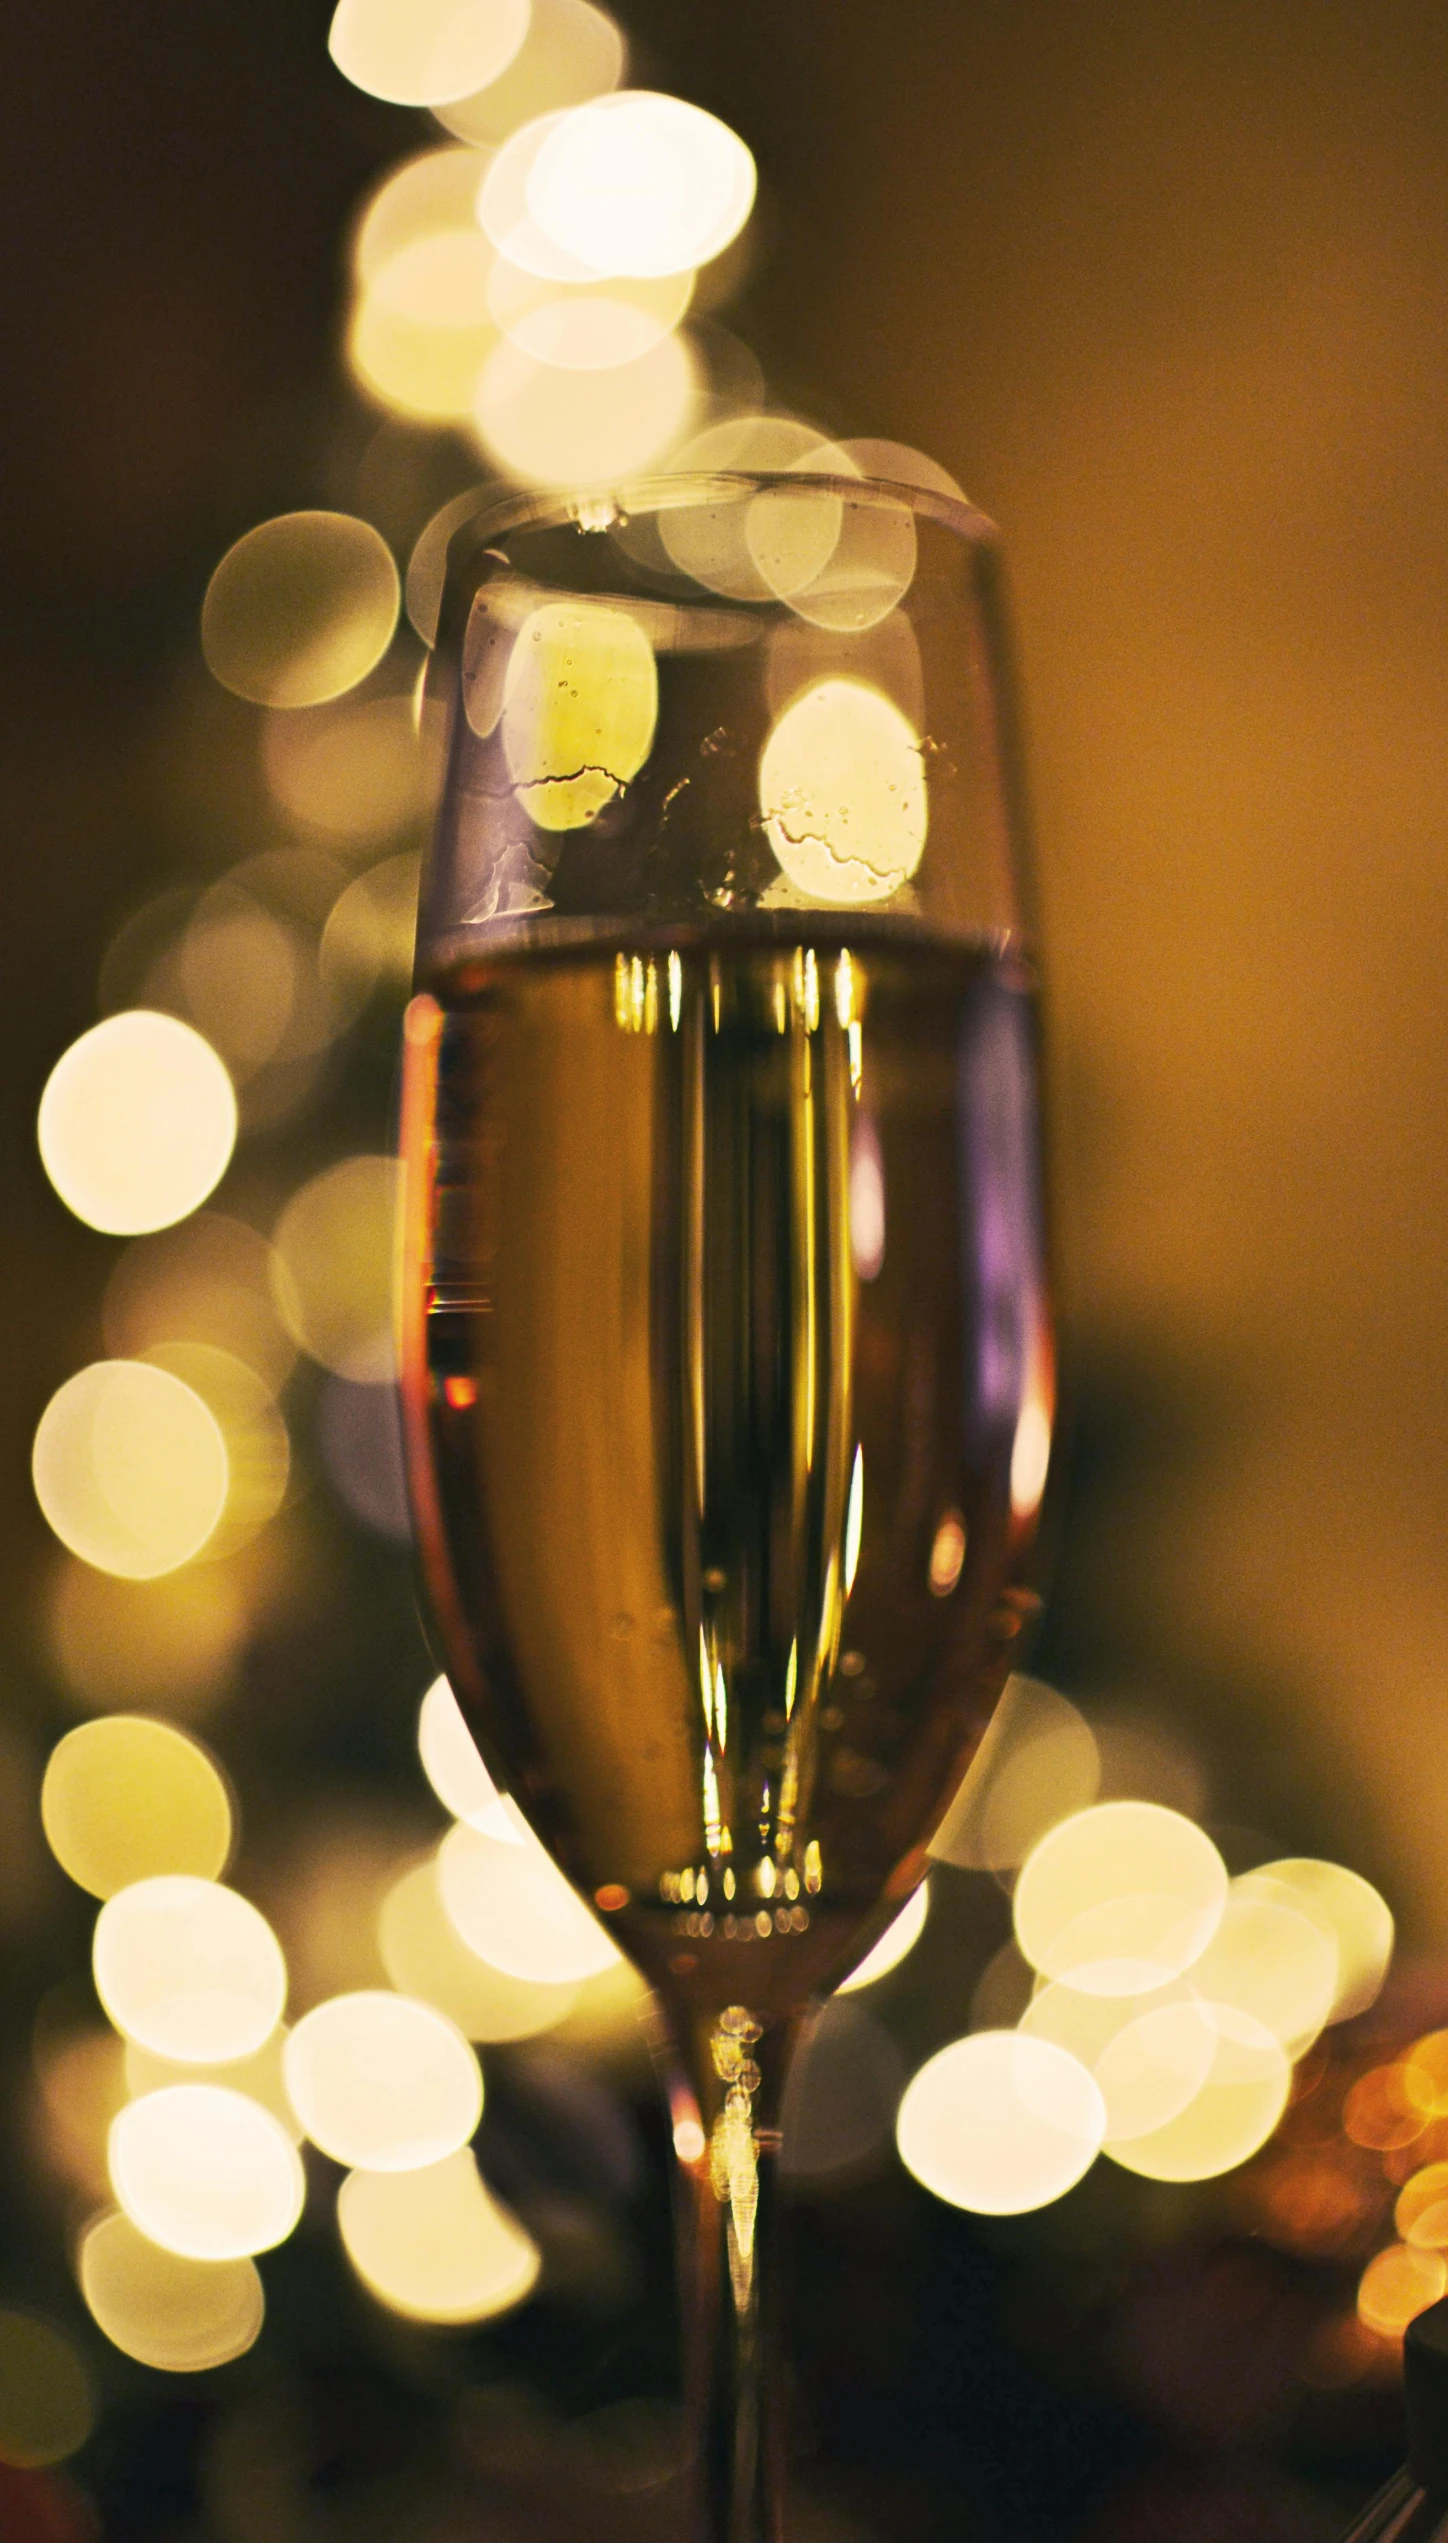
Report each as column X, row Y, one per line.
column 183, row 2316
column 1150, row 2054
column 641, row 183
column 47, row 2409
column 137, row 1123
column 1269, row 1960
column 1120, row 1898
column 580, row 703
column 300, row 609
column 1397, row 2285
column 513, row 1907
column 332, row 1267
column 425, row 1955
column 383, row 2082
column 540, row 425
column 842, row 792
column 1037, row 1764
column 189, row 1969
column 429, row 52
column 572, row 52
column 130, row 1468
column 1000, row 2123
column 127, row 1798
column 434, row 2244
column 1348, row 1908
column 206, row 2172
column 1233, row 2112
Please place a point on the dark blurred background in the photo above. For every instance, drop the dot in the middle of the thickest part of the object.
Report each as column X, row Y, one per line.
column 1165, row 289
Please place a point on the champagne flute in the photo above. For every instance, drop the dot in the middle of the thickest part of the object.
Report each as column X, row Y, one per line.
column 726, row 1361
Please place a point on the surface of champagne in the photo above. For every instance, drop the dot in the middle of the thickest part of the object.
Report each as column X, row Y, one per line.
column 728, row 1397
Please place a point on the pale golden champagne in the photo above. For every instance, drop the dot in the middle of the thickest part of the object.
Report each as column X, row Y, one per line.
column 728, row 1398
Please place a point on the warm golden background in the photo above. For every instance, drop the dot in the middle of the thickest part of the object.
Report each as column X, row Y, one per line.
column 1166, row 288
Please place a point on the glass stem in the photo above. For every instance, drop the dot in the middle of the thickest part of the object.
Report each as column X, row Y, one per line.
column 727, row 2214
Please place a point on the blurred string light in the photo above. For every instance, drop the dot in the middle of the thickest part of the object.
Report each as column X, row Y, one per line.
column 434, row 2244
column 130, row 1468
column 1000, row 2123
column 137, row 1123
column 129, row 1798
column 184, row 2316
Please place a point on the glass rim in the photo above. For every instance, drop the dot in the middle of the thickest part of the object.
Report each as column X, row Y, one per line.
column 515, row 508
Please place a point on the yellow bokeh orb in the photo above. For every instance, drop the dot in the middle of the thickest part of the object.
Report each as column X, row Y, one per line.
column 580, row 703
column 434, row 2244
column 1150, row 2054
column 429, row 52
column 47, row 2408
column 1269, row 1960
column 130, row 1468
column 539, row 424
column 383, row 2082
column 137, row 1123
column 451, row 1762
column 842, row 792
column 1037, row 1764
column 206, row 2172
column 513, row 1907
column 333, row 1259
column 189, row 1969
column 1355, row 1917
column 425, row 1955
column 1120, row 1898
column 1000, row 2123
column 183, row 2316
column 640, row 183
column 572, row 52
column 300, row 609
column 1232, row 2113
column 1397, row 2285
column 129, row 1797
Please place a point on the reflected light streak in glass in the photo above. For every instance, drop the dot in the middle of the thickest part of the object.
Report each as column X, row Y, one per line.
column 300, row 609
column 999, row 2123
column 130, row 1469
column 128, row 1798
column 183, row 2316
column 1120, row 1898
column 189, row 1969
column 137, row 1123
column 206, row 2172
column 897, row 1939
column 383, row 2082
column 429, row 52
column 842, row 792
column 435, row 2245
